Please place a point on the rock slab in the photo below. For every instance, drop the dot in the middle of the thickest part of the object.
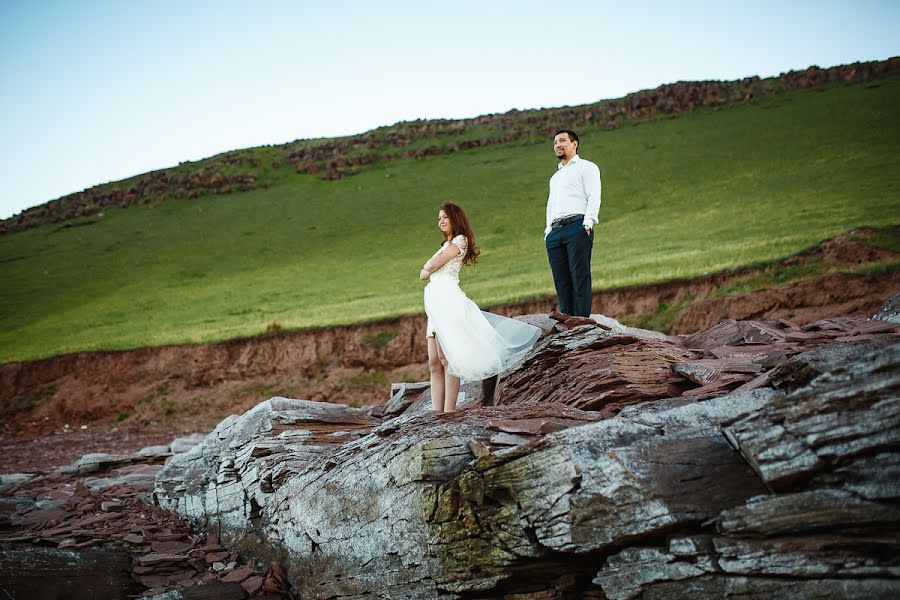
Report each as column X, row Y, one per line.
column 759, row 492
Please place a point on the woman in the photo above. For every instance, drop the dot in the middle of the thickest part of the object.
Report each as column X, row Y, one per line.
column 463, row 342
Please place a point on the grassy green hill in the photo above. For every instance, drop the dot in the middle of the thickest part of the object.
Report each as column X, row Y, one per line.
column 706, row 191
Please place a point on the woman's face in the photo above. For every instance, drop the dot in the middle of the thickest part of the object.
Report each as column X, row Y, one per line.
column 444, row 223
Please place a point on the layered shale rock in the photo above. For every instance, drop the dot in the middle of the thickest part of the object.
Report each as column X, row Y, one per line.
column 592, row 368
column 601, row 472
column 827, row 528
column 86, row 531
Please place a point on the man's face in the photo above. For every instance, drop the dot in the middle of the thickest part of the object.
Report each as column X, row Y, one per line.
column 564, row 147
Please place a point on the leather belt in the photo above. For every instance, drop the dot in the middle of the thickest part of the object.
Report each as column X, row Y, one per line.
column 563, row 221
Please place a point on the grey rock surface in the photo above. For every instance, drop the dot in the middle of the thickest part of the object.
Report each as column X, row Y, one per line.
column 845, row 415
column 160, row 451
column 829, row 530
column 800, row 370
column 185, row 443
column 718, row 567
column 890, row 312
column 99, row 461
column 228, row 476
column 8, row 481
column 353, row 519
column 761, row 492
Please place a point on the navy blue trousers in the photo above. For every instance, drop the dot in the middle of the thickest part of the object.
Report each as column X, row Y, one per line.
column 569, row 250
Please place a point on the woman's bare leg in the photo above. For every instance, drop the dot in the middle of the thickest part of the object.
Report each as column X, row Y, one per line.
column 451, row 383
column 437, row 375
column 451, row 392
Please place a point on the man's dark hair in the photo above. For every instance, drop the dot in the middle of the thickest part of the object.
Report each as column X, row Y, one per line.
column 572, row 135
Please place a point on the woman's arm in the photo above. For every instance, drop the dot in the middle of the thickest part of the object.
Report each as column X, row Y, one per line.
column 438, row 260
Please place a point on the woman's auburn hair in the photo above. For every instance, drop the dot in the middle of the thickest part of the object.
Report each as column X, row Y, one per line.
column 460, row 223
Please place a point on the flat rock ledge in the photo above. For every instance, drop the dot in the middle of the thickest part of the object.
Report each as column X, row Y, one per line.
column 598, row 474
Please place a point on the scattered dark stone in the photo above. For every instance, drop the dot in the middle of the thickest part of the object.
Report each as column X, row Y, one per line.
column 38, row 572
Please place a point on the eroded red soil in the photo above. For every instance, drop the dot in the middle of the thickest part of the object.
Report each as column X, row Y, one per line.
column 60, row 408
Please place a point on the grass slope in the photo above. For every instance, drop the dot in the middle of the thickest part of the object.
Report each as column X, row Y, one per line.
column 707, row 191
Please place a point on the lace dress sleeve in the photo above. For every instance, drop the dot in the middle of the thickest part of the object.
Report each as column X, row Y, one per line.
column 460, row 242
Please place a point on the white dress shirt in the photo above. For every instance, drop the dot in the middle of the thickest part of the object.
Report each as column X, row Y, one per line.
column 574, row 190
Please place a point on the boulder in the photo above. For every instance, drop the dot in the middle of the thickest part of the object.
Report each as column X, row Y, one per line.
column 840, row 418
column 591, row 368
column 100, row 461
column 503, row 497
column 9, row 481
column 161, row 451
column 828, row 526
column 763, row 492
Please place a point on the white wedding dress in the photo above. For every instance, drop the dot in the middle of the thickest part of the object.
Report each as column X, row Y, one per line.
column 477, row 344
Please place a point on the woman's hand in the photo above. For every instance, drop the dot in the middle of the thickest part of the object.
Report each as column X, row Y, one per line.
column 424, row 274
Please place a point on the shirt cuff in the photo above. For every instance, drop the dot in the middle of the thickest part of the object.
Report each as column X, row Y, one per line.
column 588, row 222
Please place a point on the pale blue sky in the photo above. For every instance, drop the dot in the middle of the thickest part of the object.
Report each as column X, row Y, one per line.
column 96, row 91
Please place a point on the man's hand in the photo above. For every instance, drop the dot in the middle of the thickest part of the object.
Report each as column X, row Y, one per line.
column 587, row 230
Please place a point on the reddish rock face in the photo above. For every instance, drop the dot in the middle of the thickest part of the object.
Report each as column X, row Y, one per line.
column 593, row 369
column 202, row 382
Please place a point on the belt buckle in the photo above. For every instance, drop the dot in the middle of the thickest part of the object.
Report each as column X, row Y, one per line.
column 563, row 221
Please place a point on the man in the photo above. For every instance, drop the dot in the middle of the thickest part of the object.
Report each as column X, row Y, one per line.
column 573, row 209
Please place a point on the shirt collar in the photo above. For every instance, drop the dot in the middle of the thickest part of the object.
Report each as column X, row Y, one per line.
column 575, row 158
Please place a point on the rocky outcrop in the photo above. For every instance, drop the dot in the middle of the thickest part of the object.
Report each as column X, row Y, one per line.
column 597, row 474
column 827, row 527
column 592, row 368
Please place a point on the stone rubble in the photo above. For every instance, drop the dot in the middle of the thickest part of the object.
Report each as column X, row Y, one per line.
column 101, row 502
